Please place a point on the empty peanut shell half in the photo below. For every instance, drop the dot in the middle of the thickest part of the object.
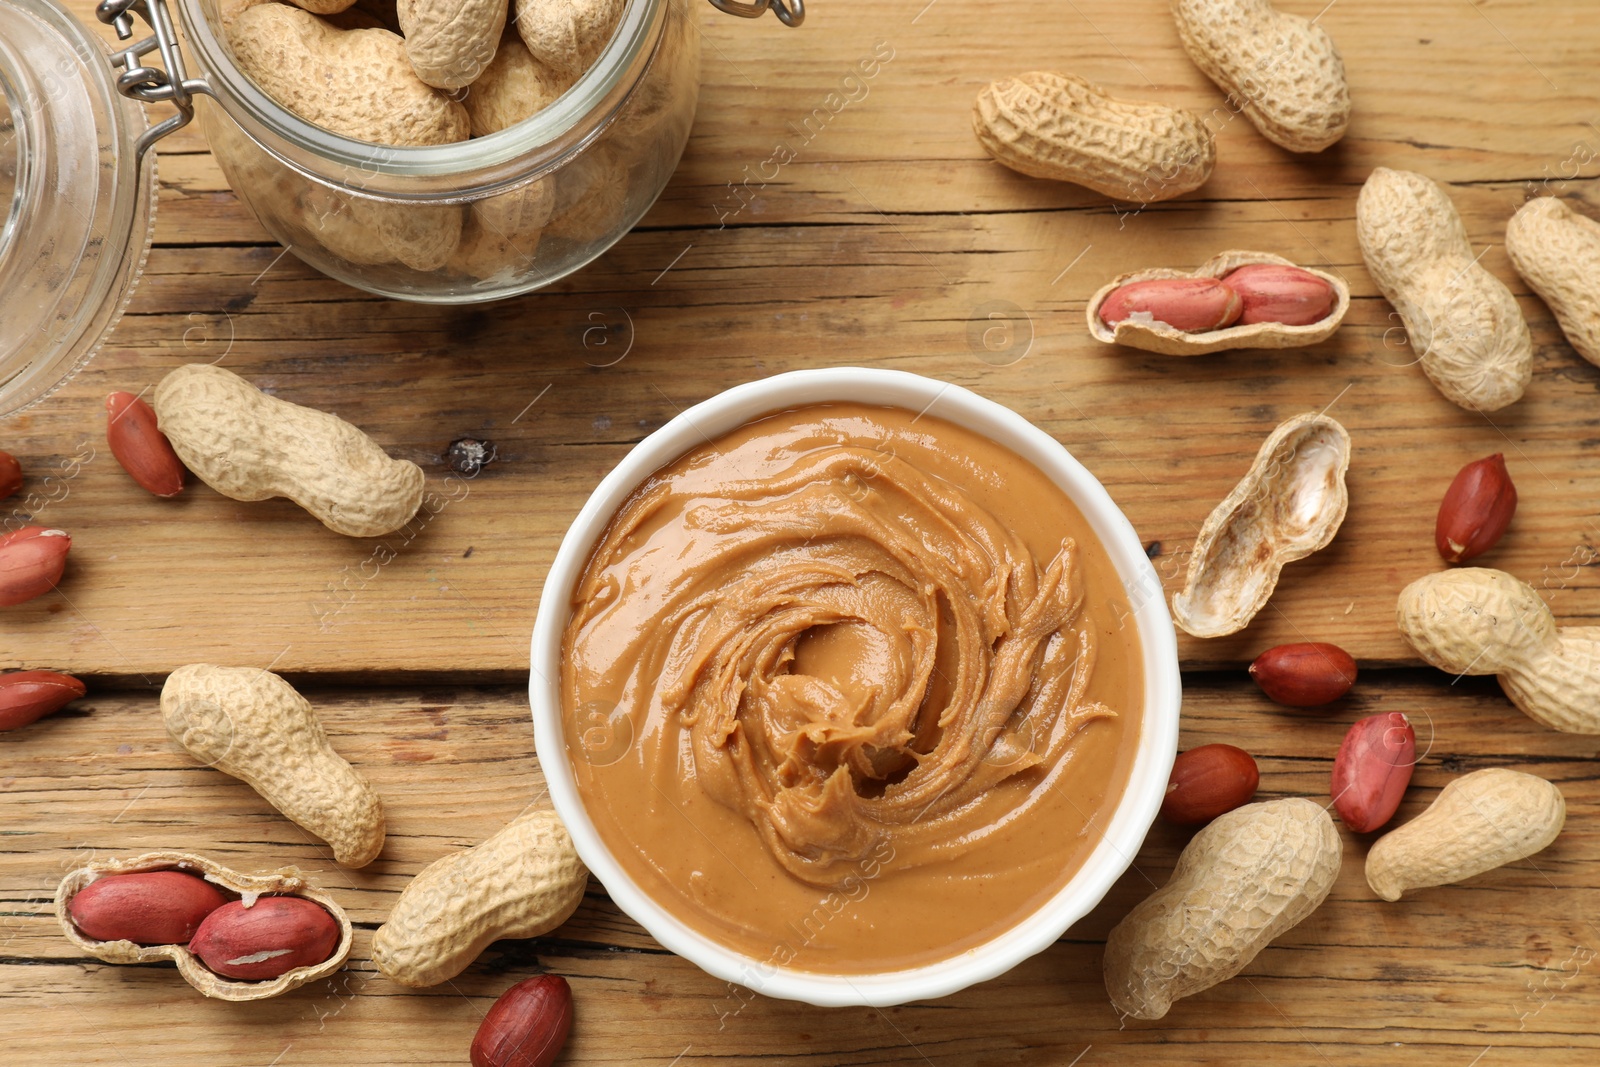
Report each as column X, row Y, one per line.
column 1146, row 330
column 1289, row 506
column 234, row 886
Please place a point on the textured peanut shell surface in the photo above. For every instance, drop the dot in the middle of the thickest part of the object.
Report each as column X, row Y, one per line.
column 1480, row 821
column 358, row 83
column 1168, row 341
column 283, row 882
column 450, row 42
column 1289, row 505
column 591, row 195
column 1557, row 252
column 253, row 725
column 1473, row 620
column 567, row 35
column 1283, row 69
column 503, row 232
column 522, row 882
column 514, row 87
column 250, row 446
column 1463, row 324
column 1059, row 126
column 1244, row 880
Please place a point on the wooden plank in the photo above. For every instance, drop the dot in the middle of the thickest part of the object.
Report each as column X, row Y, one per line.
column 1503, row 962
column 1168, row 438
column 891, row 241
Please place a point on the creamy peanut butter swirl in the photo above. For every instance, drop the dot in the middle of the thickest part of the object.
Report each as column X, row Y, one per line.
column 849, row 649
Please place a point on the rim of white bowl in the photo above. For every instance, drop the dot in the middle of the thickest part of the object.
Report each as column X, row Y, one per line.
column 1158, row 734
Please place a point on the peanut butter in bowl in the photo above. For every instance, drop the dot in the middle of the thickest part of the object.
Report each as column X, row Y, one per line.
column 850, row 689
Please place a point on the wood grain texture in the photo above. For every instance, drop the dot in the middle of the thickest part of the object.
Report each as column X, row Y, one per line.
column 893, row 241
column 890, row 241
column 1502, row 962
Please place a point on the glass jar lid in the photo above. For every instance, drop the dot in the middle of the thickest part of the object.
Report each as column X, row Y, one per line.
column 76, row 209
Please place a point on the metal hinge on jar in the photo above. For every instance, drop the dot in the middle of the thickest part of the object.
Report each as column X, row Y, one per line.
column 789, row 12
column 151, row 84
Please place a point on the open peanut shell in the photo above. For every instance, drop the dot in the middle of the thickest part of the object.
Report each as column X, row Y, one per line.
column 1288, row 506
column 283, row 882
column 1169, row 341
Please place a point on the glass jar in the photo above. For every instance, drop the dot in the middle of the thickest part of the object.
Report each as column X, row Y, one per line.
column 76, row 207
column 460, row 223
column 480, row 219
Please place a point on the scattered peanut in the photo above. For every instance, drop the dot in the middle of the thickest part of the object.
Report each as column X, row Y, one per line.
column 358, row 83
column 10, row 475
column 152, row 908
column 1304, row 675
column 1240, row 883
column 1557, row 252
column 135, row 906
column 1283, row 70
column 1476, row 510
column 141, row 448
column 1061, row 127
column 1372, row 770
column 1480, row 821
column 266, row 939
column 567, row 35
column 32, row 560
column 250, row 446
column 251, row 724
column 527, row 1026
column 1193, row 305
column 1288, row 506
column 450, row 42
column 522, row 882
column 1235, row 299
column 1207, row 782
column 1291, row 296
column 1463, row 323
column 28, row 696
column 1478, row 621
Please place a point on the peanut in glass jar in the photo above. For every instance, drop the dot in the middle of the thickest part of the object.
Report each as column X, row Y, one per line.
column 479, row 219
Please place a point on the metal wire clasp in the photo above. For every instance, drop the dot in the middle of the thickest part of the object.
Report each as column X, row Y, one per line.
column 789, row 12
column 151, row 84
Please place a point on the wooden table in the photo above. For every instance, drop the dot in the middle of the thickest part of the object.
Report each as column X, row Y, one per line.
column 890, row 241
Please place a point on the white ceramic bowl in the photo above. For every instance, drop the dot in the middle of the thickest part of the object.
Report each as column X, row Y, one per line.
column 1158, row 735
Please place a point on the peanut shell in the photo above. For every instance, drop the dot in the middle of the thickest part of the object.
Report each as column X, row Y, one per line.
column 1462, row 322
column 1288, row 506
column 1283, row 69
column 567, row 35
column 284, row 881
column 450, row 42
column 358, row 83
column 1557, row 252
column 524, row 881
column 1480, row 821
column 1473, row 620
column 252, row 724
column 1242, row 882
column 514, row 87
column 1059, row 126
column 250, row 446
column 1165, row 340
